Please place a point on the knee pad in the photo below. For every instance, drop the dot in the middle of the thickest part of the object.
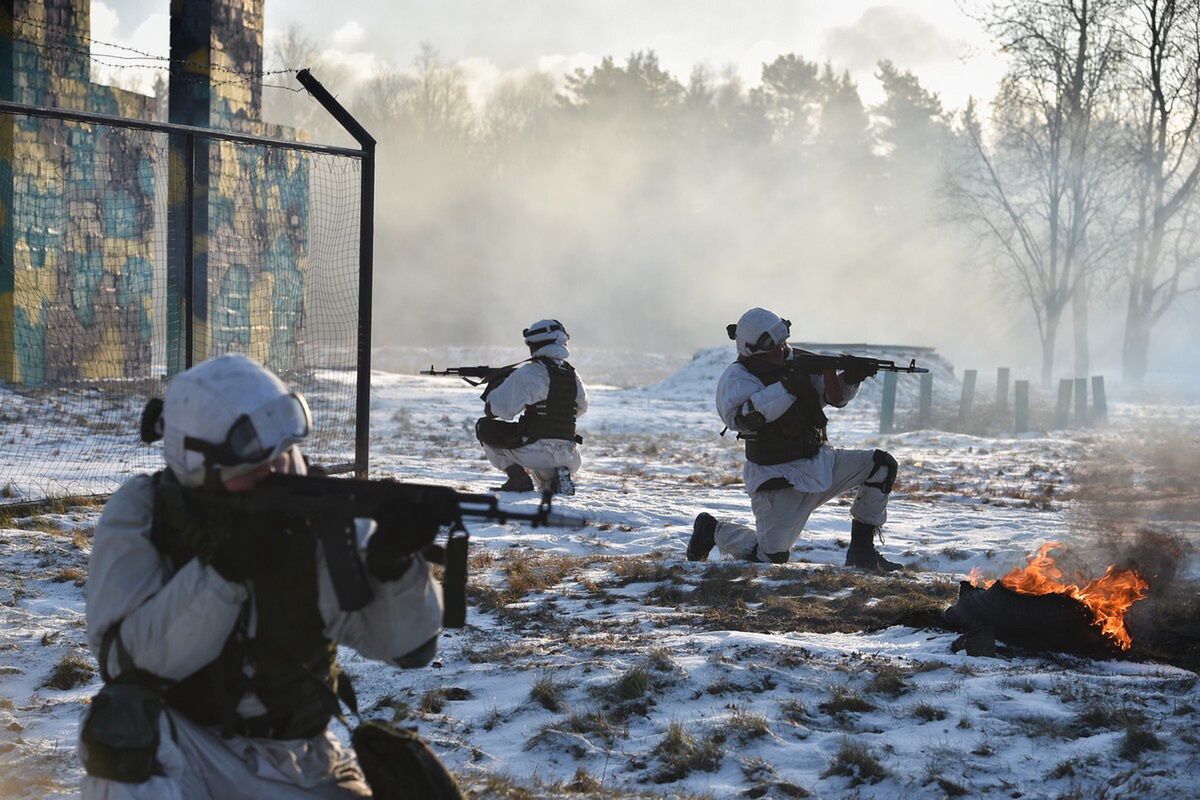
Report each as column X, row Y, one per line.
column 884, row 460
column 778, row 558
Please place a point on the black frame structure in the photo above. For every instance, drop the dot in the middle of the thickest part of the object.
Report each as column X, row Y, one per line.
column 366, row 154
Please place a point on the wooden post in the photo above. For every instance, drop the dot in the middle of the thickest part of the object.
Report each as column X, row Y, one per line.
column 1081, row 411
column 968, row 394
column 887, row 407
column 1063, row 409
column 1099, row 401
column 1002, row 388
column 1021, row 406
column 925, row 409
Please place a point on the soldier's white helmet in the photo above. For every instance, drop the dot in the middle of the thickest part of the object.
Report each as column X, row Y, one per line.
column 229, row 415
column 759, row 331
column 544, row 332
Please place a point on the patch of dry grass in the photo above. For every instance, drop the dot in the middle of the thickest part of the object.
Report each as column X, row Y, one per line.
column 72, row 670
column 844, row 701
column 593, row 723
column 1137, row 740
column 731, row 597
column 547, row 692
column 681, row 754
column 856, row 762
column 747, row 725
column 76, row 575
column 888, row 680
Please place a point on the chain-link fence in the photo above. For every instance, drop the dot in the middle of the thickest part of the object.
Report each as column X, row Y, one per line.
column 130, row 250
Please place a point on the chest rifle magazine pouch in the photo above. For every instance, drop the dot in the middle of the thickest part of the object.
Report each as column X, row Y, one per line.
column 120, row 734
column 499, row 434
column 399, row 766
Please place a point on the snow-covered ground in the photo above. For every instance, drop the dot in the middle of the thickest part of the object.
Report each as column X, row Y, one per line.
column 601, row 662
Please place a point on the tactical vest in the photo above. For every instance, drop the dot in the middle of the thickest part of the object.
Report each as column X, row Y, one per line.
column 554, row 417
column 288, row 663
column 798, row 433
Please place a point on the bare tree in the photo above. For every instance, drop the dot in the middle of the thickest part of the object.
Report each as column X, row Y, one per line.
column 293, row 49
column 1036, row 190
column 1164, row 104
column 517, row 118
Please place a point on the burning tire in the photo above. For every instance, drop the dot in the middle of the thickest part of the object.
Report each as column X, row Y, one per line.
column 1042, row 622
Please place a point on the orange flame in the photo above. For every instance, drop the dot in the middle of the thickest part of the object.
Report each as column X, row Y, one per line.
column 1108, row 597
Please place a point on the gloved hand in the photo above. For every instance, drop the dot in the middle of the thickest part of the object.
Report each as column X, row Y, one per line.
column 859, row 371
column 400, row 526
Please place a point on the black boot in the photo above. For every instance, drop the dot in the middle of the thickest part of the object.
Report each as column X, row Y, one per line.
column 563, row 483
column 703, row 540
column 862, row 553
column 518, row 480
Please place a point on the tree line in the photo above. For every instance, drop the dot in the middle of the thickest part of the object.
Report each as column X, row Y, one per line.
column 1075, row 191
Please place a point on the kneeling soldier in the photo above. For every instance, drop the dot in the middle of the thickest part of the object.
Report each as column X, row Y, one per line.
column 547, row 394
column 790, row 470
column 217, row 638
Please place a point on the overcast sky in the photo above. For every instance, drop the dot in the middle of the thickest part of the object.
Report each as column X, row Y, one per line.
column 934, row 38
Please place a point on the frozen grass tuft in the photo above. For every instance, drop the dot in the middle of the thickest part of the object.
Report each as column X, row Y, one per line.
column 794, row 711
column 630, row 686
column 72, row 670
column 855, row 761
column 681, row 754
column 1137, row 740
column 844, row 701
column 75, row 575
column 547, row 692
column 748, row 725
column 592, row 723
column 928, row 713
column 889, row 680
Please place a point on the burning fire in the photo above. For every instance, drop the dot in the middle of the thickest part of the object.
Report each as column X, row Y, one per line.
column 1108, row 597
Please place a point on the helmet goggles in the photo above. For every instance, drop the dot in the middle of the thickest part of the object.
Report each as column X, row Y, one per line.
column 260, row 435
column 544, row 330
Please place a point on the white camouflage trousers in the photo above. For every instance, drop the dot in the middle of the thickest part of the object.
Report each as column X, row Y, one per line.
column 200, row 765
column 780, row 514
column 541, row 458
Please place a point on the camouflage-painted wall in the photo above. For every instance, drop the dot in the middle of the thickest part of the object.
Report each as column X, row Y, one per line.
column 78, row 251
column 252, row 202
column 76, row 209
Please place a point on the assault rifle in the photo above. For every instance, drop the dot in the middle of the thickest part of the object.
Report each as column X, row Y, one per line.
column 814, row 363
column 476, row 376
column 329, row 507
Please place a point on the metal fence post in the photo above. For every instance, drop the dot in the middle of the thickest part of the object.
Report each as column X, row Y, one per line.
column 887, row 405
column 1063, row 408
column 189, row 250
column 366, row 255
column 365, row 279
column 1002, row 388
column 1021, row 406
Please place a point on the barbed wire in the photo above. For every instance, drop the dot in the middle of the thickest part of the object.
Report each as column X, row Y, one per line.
column 164, row 61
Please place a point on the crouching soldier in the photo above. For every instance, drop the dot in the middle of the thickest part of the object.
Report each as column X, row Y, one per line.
column 217, row 639
column 549, row 397
column 790, row 470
